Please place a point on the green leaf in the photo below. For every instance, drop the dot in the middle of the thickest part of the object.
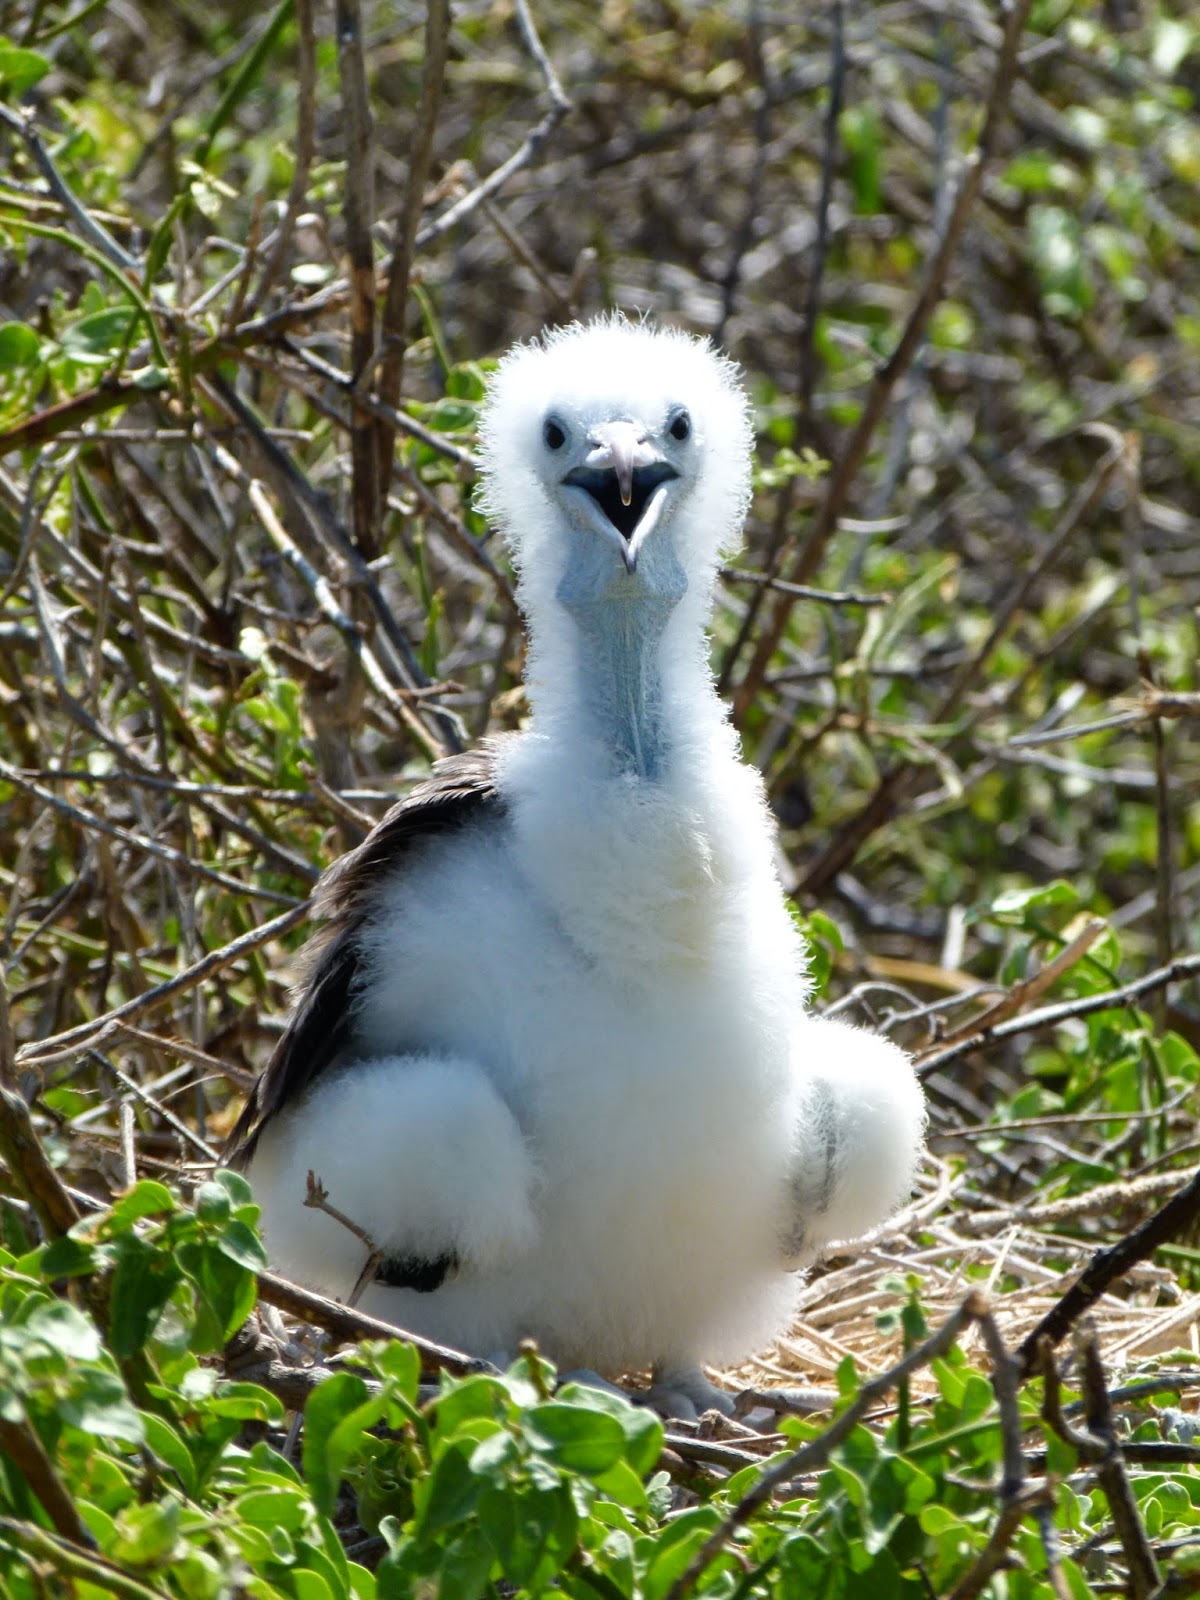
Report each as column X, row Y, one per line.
column 147, row 1534
column 235, row 1186
column 248, row 1402
column 1015, row 905
column 641, row 1427
column 1055, row 249
column 450, row 1492
column 146, row 1199
column 533, row 1533
column 163, row 1442
column 862, row 137
column 242, row 1244
column 212, row 1203
column 66, row 1330
column 577, row 1437
column 20, row 69
column 98, row 1404
column 670, row 1554
column 96, row 339
column 143, row 1281
column 337, row 1414
column 67, row 1257
column 466, row 381
column 225, row 1293
column 19, row 347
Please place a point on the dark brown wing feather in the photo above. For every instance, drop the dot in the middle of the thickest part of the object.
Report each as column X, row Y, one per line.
column 458, row 790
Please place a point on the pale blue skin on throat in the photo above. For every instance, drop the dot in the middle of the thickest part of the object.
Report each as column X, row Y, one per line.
column 621, row 617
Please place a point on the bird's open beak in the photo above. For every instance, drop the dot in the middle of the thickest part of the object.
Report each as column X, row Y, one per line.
column 619, row 446
column 623, row 474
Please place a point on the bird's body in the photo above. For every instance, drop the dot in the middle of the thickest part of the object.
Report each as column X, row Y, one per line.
column 554, row 1059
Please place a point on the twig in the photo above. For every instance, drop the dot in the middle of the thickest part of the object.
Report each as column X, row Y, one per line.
column 420, row 158
column 25, row 1450
column 139, row 841
column 188, row 1135
column 128, row 1146
column 1110, row 1264
column 8, row 1046
column 359, row 217
column 1006, row 1376
column 899, row 782
column 316, row 1196
column 1102, row 1200
column 529, row 147
column 802, row 591
column 1177, row 971
column 743, row 234
column 993, row 1554
column 816, row 273
column 889, row 374
column 70, row 1042
column 359, row 652
column 1110, row 1470
column 815, row 1454
column 99, row 238
column 306, row 95
column 48, row 1550
column 1029, row 988
column 349, row 1326
column 27, row 1161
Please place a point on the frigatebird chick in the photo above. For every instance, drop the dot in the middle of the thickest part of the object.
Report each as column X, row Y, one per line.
column 553, row 1055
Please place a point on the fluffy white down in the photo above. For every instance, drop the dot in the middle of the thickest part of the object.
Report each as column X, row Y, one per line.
column 612, row 1103
column 421, row 1123
column 857, row 1098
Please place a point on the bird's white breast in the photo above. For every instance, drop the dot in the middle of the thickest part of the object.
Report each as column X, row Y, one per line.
column 626, row 986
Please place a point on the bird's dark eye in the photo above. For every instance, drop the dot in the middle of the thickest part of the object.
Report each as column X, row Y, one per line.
column 681, row 426
column 554, row 435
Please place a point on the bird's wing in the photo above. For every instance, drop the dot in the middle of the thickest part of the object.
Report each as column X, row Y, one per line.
column 459, row 790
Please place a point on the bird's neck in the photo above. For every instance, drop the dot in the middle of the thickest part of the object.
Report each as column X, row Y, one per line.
column 619, row 681
column 614, row 685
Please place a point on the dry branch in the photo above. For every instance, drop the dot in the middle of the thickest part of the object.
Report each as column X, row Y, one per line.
column 1109, row 1265
column 805, row 563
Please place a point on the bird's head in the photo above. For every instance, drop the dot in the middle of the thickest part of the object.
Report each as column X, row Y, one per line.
column 616, row 461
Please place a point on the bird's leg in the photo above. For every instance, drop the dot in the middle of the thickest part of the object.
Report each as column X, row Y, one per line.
column 685, row 1393
column 593, row 1380
column 858, row 1135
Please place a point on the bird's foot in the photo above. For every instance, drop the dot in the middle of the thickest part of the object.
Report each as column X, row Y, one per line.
column 684, row 1393
column 679, row 1394
column 593, row 1380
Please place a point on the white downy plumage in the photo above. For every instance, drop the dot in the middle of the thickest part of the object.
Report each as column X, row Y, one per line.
column 577, row 1075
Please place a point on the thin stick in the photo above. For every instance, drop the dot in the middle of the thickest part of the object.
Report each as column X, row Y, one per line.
column 139, row 841
column 1107, row 1266
column 889, row 374
column 306, row 96
column 1110, row 1470
column 814, row 1455
column 529, row 147
column 27, row 1161
column 420, row 159
column 1177, row 971
column 350, row 1326
column 72, row 1040
column 900, row 781
column 359, row 217
column 1030, row 988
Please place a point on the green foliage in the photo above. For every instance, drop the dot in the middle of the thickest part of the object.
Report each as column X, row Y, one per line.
column 181, row 681
column 486, row 1486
